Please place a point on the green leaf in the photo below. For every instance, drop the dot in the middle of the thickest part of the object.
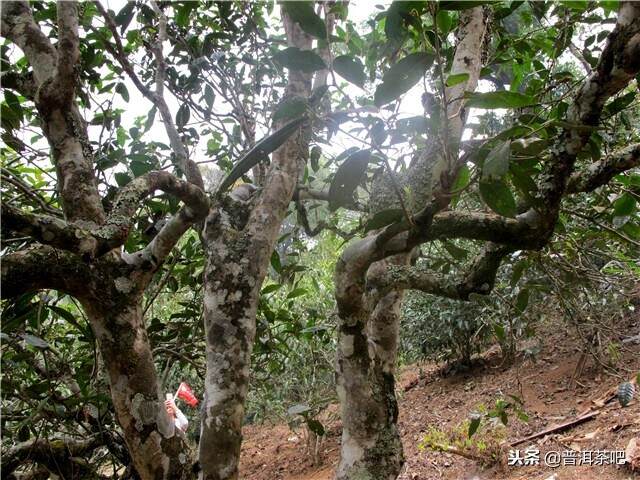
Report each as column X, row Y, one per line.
column 260, row 151
column 347, row 179
column 14, row 104
column 496, row 165
column 624, row 205
column 271, row 288
column 122, row 179
column 314, row 157
column 295, row 59
column 350, row 68
column 289, row 108
column 122, row 90
column 462, row 180
column 306, row 17
column 498, row 197
column 296, row 292
column 316, row 427
column 378, row 133
column 383, row 218
column 473, row 425
column 456, row 78
column 183, row 13
column 151, row 117
column 138, row 167
column 275, row 261
column 460, row 183
column 399, row 14
column 121, row 136
column 209, row 96
column 444, row 21
column 182, row 117
column 124, row 16
column 518, row 270
column 501, row 99
column 522, row 300
column 620, row 103
column 402, row 76
column 455, row 251
column 500, row 332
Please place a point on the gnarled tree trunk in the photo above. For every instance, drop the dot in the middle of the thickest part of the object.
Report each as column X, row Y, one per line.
column 157, row 448
column 82, row 255
column 239, row 238
column 369, row 320
column 365, row 365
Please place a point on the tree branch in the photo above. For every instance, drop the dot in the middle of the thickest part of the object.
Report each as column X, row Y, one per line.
column 480, row 277
column 188, row 166
column 619, row 62
column 64, row 84
column 602, row 171
column 60, row 119
column 120, row 55
column 54, row 451
column 114, row 232
column 618, row 65
column 19, row 27
column 18, row 183
column 43, row 267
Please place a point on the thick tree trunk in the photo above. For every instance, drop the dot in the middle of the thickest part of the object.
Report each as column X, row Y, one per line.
column 367, row 348
column 158, row 450
column 239, row 238
column 230, row 304
column 369, row 321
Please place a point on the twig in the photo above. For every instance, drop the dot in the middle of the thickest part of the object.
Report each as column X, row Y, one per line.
column 602, row 225
column 557, row 428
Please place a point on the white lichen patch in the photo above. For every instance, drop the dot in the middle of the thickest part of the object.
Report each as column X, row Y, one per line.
column 123, row 285
column 346, row 345
column 214, row 298
column 235, row 296
column 352, row 452
column 143, row 411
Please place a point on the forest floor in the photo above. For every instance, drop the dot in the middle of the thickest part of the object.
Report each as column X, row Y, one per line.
column 428, row 398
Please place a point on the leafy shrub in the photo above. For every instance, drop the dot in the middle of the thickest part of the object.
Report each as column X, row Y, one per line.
column 441, row 329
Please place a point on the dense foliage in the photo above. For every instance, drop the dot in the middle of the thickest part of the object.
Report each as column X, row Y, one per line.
column 380, row 111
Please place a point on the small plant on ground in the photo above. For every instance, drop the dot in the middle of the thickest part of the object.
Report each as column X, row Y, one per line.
column 481, row 437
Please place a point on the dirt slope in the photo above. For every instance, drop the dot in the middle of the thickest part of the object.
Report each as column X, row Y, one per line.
column 429, row 399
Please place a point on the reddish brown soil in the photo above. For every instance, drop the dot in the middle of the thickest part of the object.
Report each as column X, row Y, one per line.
column 426, row 398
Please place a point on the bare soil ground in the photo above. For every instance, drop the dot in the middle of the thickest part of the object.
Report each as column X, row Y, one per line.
column 427, row 398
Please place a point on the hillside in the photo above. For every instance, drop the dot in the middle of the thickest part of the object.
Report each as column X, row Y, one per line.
column 427, row 398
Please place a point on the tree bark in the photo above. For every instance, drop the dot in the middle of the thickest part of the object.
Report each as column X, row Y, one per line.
column 368, row 328
column 239, row 238
column 157, row 448
column 365, row 366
